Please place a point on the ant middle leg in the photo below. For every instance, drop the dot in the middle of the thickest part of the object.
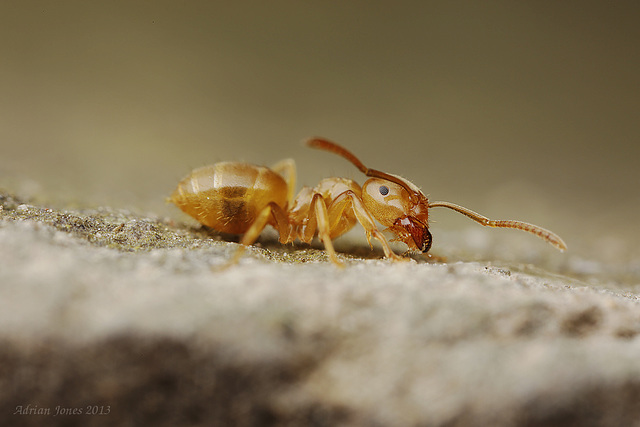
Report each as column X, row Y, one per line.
column 318, row 213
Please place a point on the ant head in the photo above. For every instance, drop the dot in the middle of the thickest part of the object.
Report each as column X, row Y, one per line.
column 401, row 207
column 393, row 201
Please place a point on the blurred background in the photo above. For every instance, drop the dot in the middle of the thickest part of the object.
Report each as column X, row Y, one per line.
column 525, row 110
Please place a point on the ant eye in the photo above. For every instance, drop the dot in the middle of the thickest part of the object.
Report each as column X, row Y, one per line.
column 384, row 190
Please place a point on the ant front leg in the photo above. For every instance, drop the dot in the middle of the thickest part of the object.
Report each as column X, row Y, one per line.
column 349, row 200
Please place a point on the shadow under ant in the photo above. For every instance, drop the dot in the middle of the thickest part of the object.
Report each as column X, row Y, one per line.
column 269, row 241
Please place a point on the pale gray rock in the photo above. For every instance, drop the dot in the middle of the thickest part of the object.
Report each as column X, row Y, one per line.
column 130, row 317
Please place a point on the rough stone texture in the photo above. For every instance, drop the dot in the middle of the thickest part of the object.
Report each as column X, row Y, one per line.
column 114, row 313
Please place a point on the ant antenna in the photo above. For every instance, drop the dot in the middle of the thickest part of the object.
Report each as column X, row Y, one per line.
column 325, row 144
column 546, row 235
column 543, row 233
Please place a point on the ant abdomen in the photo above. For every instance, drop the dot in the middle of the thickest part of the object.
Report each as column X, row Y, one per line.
column 227, row 196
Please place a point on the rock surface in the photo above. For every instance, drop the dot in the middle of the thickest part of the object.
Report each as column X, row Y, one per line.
column 127, row 320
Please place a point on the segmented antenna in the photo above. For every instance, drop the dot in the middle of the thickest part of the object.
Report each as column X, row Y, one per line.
column 325, row 144
column 543, row 233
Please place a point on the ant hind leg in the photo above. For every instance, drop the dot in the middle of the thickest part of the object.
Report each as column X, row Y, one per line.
column 261, row 221
column 287, row 169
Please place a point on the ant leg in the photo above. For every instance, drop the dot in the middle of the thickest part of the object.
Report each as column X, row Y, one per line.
column 349, row 199
column 287, row 169
column 318, row 212
column 272, row 210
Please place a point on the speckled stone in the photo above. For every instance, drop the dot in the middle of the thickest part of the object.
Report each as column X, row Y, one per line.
column 131, row 315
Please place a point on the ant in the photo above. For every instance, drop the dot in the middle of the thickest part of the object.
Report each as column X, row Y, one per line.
column 241, row 198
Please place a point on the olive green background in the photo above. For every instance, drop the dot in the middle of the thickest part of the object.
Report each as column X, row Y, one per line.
column 525, row 110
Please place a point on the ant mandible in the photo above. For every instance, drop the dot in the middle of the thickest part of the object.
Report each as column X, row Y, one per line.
column 241, row 198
